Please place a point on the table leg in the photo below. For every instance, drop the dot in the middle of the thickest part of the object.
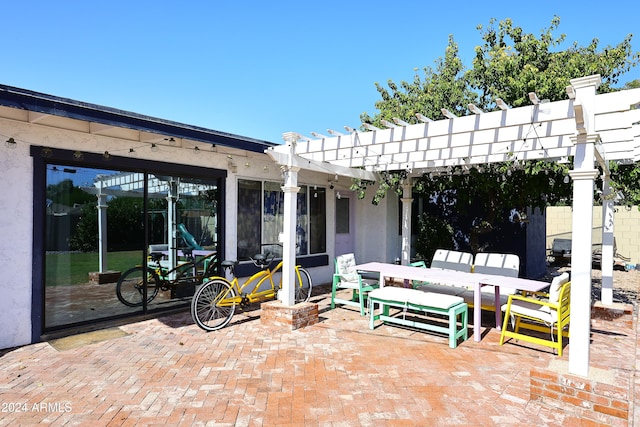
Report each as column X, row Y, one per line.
column 477, row 313
column 498, row 307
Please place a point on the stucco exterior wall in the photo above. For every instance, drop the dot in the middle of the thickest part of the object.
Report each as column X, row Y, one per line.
column 626, row 228
column 16, row 203
column 16, row 219
column 375, row 240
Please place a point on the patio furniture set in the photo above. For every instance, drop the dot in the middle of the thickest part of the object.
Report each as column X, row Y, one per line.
column 455, row 281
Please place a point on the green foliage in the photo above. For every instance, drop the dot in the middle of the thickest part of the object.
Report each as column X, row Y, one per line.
column 625, row 181
column 511, row 63
column 126, row 224
column 633, row 84
column 85, row 235
column 427, row 94
column 508, row 64
column 66, row 194
column 433, row 233
column 125, row 231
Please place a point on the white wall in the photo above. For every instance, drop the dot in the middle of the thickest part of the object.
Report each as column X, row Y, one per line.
column 377, row 236
column 16, row 202
column 377, row 232
column 16, row 219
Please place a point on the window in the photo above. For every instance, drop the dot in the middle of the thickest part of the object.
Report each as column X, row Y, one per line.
column 261, row 218
column 94, row 215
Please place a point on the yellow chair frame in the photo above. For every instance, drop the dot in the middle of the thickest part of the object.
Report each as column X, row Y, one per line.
column 529, row 319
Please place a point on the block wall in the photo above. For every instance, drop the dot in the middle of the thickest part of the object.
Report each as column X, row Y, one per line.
column 626, row 228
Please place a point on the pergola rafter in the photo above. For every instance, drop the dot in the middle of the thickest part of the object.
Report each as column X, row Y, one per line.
column 538, row 131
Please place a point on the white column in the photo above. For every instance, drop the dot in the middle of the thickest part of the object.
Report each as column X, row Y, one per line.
column 290, row 188
column 406, row 223
column 606, row 263
column 172, row 198
column 580, row 326
column 583, row 176
column 102, row 232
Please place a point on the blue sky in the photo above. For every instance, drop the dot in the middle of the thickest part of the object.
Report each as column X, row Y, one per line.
column 262, row 68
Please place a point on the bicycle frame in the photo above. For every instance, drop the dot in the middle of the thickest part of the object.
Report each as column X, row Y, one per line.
column 255, row 295
column 191, row 265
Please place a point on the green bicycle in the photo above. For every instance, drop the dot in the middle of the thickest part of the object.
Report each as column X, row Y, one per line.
column 131, row 288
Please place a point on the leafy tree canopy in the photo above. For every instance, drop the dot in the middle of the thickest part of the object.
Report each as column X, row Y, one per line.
column 508, row 64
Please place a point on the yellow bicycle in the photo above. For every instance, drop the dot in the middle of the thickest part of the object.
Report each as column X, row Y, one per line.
column 215, row 302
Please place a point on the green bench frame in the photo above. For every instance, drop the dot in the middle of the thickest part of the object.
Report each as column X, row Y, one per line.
column 452, row 312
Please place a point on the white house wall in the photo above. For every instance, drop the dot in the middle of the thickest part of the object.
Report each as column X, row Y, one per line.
column 16, row 220
column 377, row 236
column 16, row 206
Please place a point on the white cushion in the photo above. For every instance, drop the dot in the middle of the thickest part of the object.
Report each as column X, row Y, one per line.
column 346, row 267
column 556, row 284
column 414, row 296
column 498, row 264
column 533, row 310
column 442, row 289
column 353, row 284
column 452, row 260
column 486, row 299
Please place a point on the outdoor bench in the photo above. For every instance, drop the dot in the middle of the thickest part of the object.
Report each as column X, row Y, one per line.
column 483, row 263
column 425, row 302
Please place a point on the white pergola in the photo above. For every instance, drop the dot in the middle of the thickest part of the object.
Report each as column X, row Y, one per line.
column 131, row 184
column 594, row 129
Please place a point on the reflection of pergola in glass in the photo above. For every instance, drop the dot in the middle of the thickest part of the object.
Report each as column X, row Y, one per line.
column 132, row 184
column 591, row 128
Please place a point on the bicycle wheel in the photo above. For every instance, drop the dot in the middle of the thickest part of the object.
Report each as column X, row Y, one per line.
column 130, row 287
column 206, row 310
column 303, row 285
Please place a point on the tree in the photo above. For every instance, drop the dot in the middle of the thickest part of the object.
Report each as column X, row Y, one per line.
column 125, row 229
column 509, row 64
column 67, row 194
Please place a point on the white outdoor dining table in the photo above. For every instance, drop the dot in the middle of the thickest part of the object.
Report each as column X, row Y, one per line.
column 456, row 278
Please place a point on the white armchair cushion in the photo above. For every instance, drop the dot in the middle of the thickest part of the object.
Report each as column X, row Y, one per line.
column 535, row 311
column 556, row 284
column 346, row 268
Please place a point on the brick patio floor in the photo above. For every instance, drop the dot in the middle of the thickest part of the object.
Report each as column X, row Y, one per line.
column 167, row 371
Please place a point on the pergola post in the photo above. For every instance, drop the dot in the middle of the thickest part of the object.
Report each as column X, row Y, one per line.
column 581, row 241
column 583, row 175
column 172, row 198
column 406, row 223
column 606, row 260
column 290, row 189
column 102, row 232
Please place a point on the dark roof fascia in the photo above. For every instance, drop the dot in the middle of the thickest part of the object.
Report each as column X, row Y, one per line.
column 48, row 104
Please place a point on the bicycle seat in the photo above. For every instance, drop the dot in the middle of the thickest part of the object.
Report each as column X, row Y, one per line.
column 156, row 256
column 228, row 263
column 187, row 251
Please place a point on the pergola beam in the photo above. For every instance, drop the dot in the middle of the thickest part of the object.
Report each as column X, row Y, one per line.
column 282, row 158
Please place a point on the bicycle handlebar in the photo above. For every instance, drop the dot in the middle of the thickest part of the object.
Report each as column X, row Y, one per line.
column 263, row 260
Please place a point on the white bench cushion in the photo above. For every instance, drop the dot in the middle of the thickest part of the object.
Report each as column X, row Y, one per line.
column 442, row 289
column 452, row 260
column 415, row 296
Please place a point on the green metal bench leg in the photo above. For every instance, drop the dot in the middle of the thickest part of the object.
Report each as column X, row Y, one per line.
column 454, row 334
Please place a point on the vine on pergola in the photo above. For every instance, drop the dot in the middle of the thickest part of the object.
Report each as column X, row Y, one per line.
column 508, row 65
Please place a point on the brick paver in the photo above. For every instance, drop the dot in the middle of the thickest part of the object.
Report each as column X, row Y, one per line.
column 167, row 371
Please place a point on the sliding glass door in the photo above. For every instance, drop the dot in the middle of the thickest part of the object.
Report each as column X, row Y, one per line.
column 99, row 223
